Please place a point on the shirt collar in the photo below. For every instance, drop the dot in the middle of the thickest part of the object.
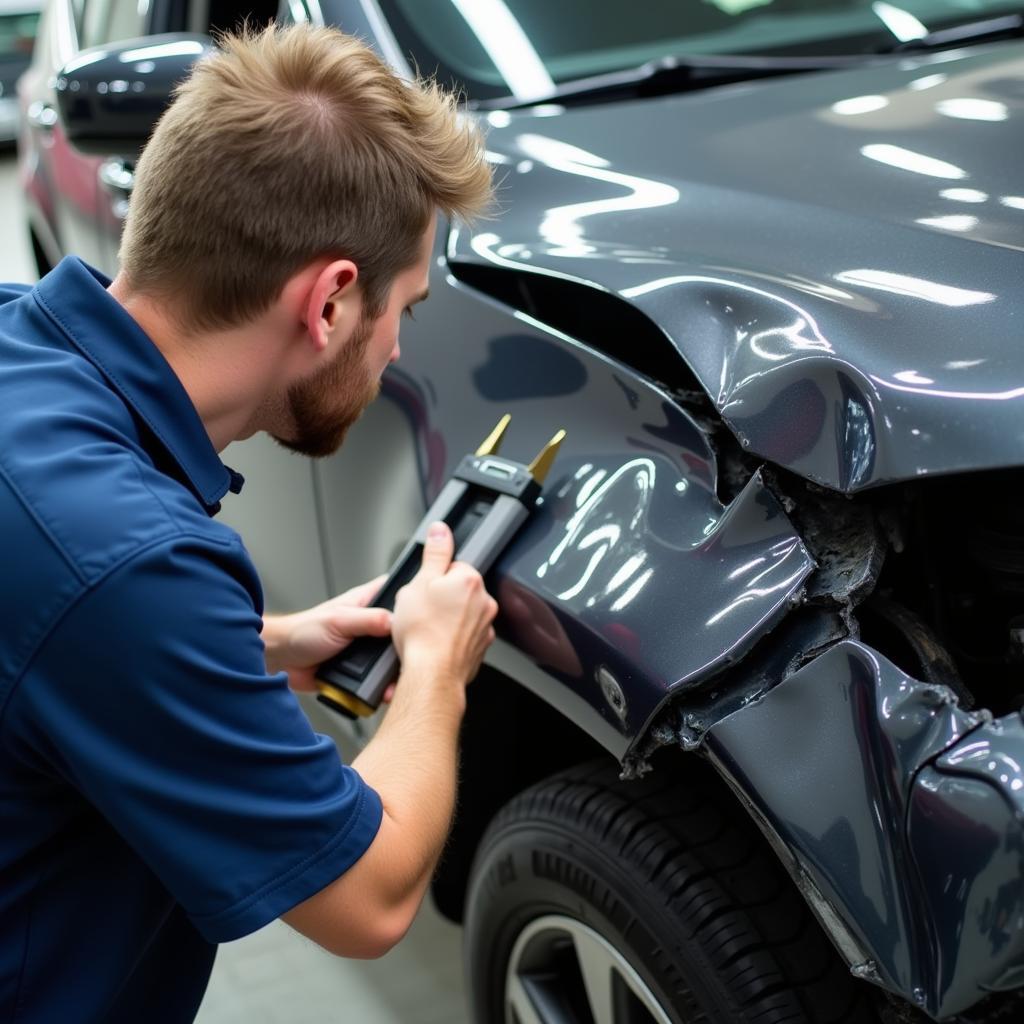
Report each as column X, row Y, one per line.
column 75, row 297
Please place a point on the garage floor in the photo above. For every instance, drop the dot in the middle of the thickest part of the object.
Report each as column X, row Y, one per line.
column 279, row 977
column 276, row 976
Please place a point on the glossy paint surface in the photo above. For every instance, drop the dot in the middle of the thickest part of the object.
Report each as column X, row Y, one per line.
column 632, row 574
column 965, row 834
column 846, row 328
column 863, row 774
column 836, row 256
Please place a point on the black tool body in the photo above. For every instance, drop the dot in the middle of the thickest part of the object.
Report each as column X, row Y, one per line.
column 484, row 503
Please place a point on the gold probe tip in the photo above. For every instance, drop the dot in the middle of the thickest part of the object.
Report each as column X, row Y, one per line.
column 493, row 441
column 541, row 465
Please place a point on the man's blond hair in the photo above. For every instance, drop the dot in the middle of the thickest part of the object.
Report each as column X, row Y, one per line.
column 287, row 146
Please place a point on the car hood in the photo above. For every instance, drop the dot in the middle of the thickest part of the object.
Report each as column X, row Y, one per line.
column 837, row 256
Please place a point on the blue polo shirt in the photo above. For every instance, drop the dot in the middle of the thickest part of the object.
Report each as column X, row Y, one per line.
column 159, row 792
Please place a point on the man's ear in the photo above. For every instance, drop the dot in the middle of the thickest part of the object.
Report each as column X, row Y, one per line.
column 332, row 298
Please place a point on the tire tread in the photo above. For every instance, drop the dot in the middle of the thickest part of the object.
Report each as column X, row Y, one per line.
column 696, row 848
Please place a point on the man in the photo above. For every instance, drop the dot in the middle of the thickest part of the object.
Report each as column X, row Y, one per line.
column 160, row 789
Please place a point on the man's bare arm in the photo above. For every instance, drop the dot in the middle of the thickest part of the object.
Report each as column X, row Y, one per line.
column 442, row 626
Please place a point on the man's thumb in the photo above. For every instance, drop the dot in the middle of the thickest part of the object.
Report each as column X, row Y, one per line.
column 438, row 551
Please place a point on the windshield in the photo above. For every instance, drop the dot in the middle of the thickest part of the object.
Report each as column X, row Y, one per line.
column 524, row 48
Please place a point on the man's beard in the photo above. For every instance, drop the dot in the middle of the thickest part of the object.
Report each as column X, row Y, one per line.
column 325, row 405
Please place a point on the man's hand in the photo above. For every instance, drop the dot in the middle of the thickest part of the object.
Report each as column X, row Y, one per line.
column 442, row 621
column 298, row 643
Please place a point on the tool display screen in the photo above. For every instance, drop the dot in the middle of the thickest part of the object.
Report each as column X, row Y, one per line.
column 499, row 469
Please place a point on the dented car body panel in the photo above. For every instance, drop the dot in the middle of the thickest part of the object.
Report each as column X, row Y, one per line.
column 965, row 830
column 878, row 786
column 630, row 540
column 636, row 594
column 837, row 259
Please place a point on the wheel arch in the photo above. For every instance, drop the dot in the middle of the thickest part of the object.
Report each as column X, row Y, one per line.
column 510, row 740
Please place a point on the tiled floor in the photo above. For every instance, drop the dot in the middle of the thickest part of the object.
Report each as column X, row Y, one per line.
column 276, row 976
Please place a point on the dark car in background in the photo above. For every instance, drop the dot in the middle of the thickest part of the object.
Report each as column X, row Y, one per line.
column 749, row 746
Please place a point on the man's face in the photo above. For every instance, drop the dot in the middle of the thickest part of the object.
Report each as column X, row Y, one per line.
column 324, row 405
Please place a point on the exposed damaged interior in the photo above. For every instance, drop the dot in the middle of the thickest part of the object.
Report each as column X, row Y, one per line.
column 929, row 572
column 955, row 564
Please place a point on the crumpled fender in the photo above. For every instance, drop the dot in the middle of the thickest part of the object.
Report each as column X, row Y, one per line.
column 900, row 816
column 632, row 580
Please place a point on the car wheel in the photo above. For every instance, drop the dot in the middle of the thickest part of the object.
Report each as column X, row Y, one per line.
column 648, row 902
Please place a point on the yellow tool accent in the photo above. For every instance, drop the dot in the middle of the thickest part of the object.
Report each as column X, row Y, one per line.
column 495, row 437
column 346, row 700
column 541, row 465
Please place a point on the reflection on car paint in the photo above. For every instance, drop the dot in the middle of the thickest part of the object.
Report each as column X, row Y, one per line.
column 975, row 790
column 631, row 553
column 853, row 726
column 561, row 226
column 518, row 366
column 631, row 543
column 642, row 213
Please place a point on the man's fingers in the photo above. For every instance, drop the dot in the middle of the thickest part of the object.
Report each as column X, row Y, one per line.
column 365, row 592
column 359, row 596
column 351, row 622
column 438, row 551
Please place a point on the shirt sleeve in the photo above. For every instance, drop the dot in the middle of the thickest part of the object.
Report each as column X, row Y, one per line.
column 152, row 699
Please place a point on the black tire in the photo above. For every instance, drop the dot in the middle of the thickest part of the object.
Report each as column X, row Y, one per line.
column 671, row 874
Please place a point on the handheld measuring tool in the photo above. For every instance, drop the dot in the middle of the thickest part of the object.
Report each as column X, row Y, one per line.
column 484, row 503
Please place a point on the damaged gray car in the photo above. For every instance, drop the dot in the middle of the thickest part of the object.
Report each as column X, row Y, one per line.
column 749, row 745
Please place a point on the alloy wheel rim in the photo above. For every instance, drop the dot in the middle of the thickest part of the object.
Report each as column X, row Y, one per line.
column 561, row 971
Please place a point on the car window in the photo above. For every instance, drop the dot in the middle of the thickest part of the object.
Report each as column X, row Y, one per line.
column 209, row 16
column 230, row 15
column 17, row 35
column 292, row 11
column 106, row 21
column 497, row 47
